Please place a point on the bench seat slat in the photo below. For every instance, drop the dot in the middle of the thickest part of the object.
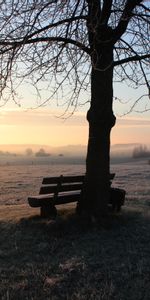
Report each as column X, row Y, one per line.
column 39, row 200
column 67, row 197
column 64, row 197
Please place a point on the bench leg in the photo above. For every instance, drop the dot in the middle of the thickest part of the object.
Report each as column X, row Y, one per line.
column 117, row 198
column 48, row 211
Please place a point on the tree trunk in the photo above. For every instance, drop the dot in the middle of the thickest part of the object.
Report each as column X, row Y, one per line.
column 101, row 120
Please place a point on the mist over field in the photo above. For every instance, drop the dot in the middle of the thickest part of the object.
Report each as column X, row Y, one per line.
column 76, row 154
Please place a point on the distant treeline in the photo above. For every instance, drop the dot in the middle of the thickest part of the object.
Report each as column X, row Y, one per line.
column 40, row 153
column 141, row 151
column 29, row 152
column 7, row 153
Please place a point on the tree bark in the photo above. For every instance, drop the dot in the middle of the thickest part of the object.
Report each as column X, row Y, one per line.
column 101, row 119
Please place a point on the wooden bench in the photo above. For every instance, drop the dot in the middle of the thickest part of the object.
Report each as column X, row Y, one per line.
column 61, row 190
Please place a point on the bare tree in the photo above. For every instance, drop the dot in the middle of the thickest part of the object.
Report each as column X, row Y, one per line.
column 73, row 46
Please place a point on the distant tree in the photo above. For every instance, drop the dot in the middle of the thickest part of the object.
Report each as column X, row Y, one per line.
column 29, row 152
column 74, row 45
column 141, row 151
column 42, row 153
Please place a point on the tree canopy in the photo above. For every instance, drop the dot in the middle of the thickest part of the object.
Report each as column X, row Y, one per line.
column 49, row 44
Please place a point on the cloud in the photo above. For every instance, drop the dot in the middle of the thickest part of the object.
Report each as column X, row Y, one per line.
column 45, row 126
column 46, row 117
column 43, row 117
column 130, row 122
column 42, row 127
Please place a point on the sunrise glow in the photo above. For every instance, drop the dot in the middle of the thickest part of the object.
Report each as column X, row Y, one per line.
column 45, row 127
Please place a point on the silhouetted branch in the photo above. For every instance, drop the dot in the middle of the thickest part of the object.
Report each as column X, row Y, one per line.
column 125, row 18
column 132, row 58
column 106, row 11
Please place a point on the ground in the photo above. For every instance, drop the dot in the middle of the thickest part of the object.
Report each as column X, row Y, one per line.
column 66, row 259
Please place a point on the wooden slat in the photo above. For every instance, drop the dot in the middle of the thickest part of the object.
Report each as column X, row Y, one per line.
column 39, row 200
column 50, row 180
column 70, row 179
column 67, row 179
column 67, row 198
column 63, row 179
column 62, row 188
column 48, row 189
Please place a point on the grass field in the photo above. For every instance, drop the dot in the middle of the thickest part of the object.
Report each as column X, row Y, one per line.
column 66, row 259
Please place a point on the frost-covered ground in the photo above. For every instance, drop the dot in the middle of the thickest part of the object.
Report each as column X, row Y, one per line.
column 134, row 177
column 65, row 258
column 19, row 181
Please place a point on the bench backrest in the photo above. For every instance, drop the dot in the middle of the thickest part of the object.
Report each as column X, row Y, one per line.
column 61, row 184
column 64, row 184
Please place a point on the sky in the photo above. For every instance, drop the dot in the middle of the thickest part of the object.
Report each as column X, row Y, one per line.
column 30, row 124
column 44, row 126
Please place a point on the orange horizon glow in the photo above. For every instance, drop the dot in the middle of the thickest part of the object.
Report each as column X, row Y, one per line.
column 43, row 128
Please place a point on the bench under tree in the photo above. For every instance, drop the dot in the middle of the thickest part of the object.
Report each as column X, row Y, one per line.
column 66, row 189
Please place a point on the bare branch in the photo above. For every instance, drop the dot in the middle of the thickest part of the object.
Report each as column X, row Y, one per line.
column 132, row 58
column 16, row 44
column 53, row 25
column 106, row 11
column 125, row 18
column 53, row 45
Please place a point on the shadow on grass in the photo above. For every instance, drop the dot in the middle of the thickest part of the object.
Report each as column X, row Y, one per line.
column 66, row 259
